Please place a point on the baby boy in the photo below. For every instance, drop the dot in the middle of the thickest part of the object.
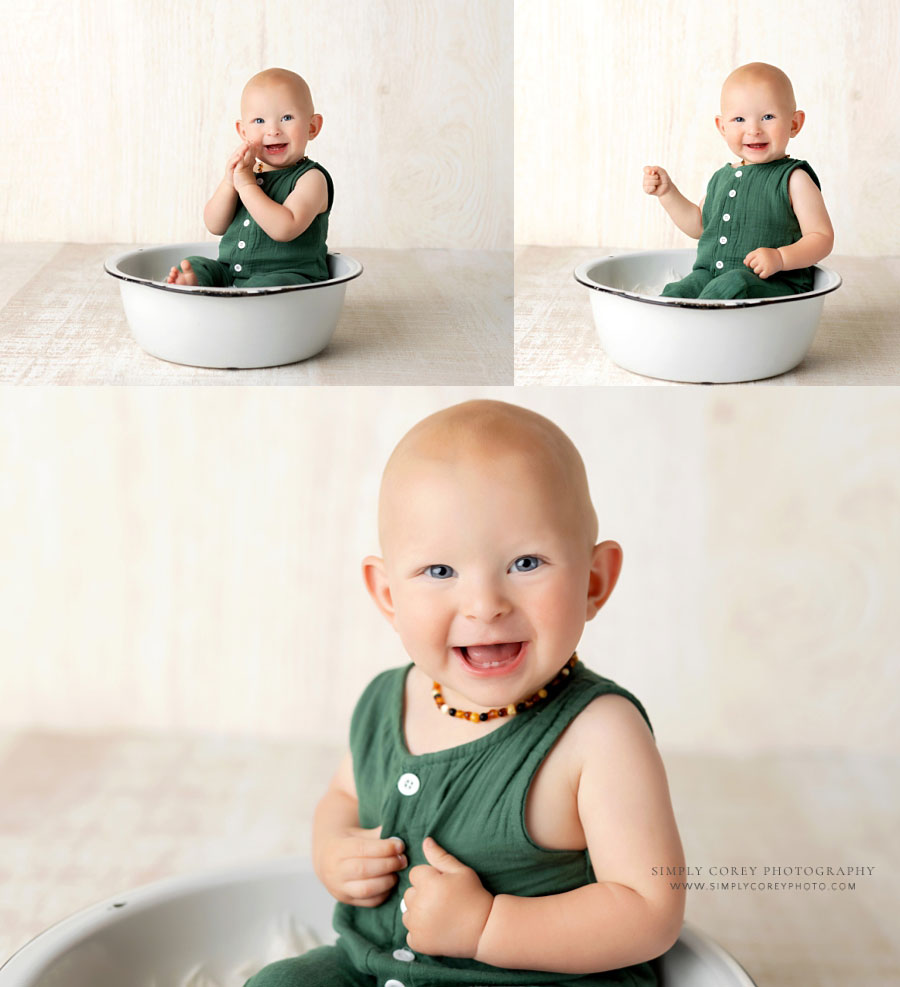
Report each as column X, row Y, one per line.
column 502, row 806
column 763, row 222
column 274, row 218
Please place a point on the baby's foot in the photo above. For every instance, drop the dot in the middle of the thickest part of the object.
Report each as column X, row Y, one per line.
column 183, row 276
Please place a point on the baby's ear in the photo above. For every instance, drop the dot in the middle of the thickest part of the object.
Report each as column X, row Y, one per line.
column 376, row 580
column 606, row 564
column 315, row 125
column 239, row 127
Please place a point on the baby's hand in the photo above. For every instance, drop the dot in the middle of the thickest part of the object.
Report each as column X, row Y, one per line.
column 764, row 261
column 244, row 159
column 656, row 180
column 447, row 906
column 359, row 868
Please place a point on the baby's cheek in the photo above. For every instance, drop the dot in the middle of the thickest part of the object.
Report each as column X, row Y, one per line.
column 562, row 610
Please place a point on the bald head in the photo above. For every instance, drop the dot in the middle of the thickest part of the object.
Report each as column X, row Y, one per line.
column 491, row 435
column 282, row 78
column 760, row 74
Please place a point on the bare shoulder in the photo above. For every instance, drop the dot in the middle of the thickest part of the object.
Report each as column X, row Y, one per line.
column 612, row 719
column 616, row 750
column 608, row 731
column 802, row 187
column 313, row 181
column 310, row 190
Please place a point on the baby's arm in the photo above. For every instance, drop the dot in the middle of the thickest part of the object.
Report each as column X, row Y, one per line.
column 354, row 864
column 685, row 215
column 219, row 211
column 629, row 916
column 288, row 221
column 818, row 235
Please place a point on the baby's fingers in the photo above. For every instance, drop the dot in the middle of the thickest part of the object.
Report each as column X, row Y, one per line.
column 363, row 868
column 366, row 843
column 372, row 892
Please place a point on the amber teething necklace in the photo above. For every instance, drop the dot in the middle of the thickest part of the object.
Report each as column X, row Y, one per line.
column 259, row 165
column 513, row 708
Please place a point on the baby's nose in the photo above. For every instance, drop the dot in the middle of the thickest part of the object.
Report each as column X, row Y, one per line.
column 486, row 605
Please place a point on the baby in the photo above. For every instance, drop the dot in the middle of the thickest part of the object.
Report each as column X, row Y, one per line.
column 762, row 223
column 502, row 806
column 274, row 221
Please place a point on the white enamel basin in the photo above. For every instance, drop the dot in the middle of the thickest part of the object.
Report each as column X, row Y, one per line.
column 164, row 933
column 701, row 341
column 226, row 327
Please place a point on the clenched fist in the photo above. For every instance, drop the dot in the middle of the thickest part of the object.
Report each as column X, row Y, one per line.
column 447, row 906
column 764, row 261
column 656, row 180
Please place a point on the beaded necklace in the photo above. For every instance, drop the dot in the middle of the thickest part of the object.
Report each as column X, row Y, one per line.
column 513, row 708
column 258, row 167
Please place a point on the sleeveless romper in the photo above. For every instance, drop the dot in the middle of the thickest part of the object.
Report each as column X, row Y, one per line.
column 250, row 258
column 471, row 799
column 746, row 207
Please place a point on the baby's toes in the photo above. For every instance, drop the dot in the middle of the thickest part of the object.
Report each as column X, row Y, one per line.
column 188, row 277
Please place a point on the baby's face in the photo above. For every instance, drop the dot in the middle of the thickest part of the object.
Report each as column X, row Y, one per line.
column 757, row 121
column 278, row 122
column 489, row 569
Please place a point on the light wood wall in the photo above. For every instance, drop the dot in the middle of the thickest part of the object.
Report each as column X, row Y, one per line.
column 189, row 560
column 604, row 87
column 119, row 115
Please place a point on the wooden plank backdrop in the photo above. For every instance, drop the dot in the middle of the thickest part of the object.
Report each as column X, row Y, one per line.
column 124, row 115
column 756, row 606
column 604, row 87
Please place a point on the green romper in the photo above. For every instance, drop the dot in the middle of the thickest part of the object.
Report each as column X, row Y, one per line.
column 250, row 258
column 746, row 207
column 471, row 799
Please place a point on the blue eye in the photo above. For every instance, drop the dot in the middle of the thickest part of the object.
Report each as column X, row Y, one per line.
column 738, row 120
column 526, row 563
column 288, row 116
column 440, row 571
column 769, row 116
column 257, row 120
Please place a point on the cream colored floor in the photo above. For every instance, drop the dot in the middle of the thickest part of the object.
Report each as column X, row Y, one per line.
column 413, row 317
column 858, row 340
column 85, row 817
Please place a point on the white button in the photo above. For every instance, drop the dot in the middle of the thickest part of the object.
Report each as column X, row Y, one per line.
column 404, row 955
column 732, row 194
column 246, row 222
column 238, row 267
column 738, row 174
column 408, row 784
column 727, row 216
column 719, row 265
column 402, row 906
column 723, row 239
column 241, row 244
column 393, row 983
column 259, row 181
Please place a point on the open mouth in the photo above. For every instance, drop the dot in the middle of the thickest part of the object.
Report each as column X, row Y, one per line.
column 276, row 148
column 757, row 147
column 492, row 659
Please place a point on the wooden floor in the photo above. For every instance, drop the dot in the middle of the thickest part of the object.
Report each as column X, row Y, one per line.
column 858, row 340
column 83, row 818
column 413, row 317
